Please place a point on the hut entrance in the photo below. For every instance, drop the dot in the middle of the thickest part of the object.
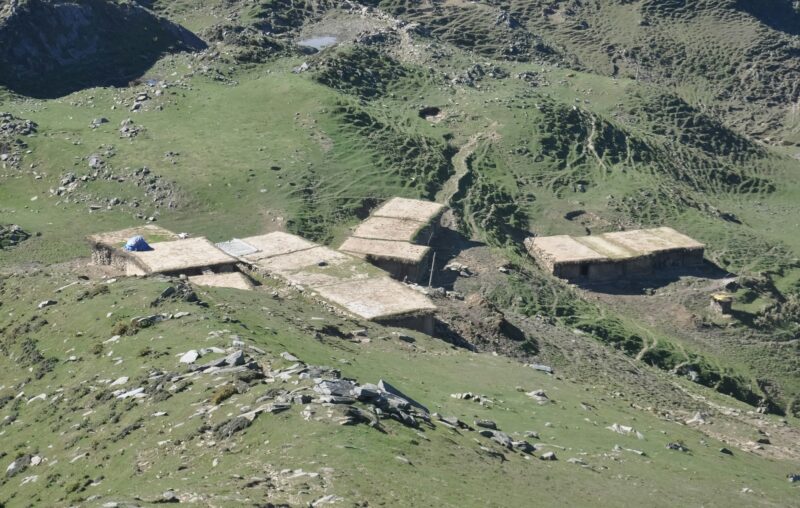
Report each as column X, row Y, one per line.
column 584, row 270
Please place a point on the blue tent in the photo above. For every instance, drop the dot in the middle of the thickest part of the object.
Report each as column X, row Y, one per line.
column 137, row 244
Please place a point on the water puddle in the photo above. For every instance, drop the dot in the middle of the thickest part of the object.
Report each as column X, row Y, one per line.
column 323, row 41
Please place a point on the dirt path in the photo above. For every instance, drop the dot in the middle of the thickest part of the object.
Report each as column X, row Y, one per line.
column 450, row 187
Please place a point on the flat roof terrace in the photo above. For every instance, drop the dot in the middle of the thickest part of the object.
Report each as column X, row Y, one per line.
column 562, row 249
column 388, row 228
column 413, row 209
column 398, row 251
column 344, row 280
column 615, row 246
column 650, row 241
column 377, row 298
column 178, row 255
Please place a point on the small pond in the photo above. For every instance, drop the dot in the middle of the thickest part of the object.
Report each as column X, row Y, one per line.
column 320, row 42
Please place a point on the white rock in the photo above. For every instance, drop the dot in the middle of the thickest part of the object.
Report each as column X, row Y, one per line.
column 131, row 393
column 120, row 381
column 46, row 303
column 289, row 357
column 41, row 396
column 190, row 356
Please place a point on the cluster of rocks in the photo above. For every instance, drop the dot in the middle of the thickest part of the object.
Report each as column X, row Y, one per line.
column 383, row 399
column 533, row 78
column 625, row 430
column 13, row 126
column 161, row 192
column 22, row 463
column 384, row 37
column 242, row 44
column 12, row 235
column 322, row 392
column 140, row 99
column 470, row 77
column 483, row 400
column 11, row 146
column 180, row 291
column 489, row 429
column 128, row 129
column 476, row 72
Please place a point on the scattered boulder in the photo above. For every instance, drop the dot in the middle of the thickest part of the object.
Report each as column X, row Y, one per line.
column 697, row 419
column 289, row 357
column 230, row 427
column 386, row 387
column 486, row 424
column 335, row 387
column 539, row 396
column 12, row 235
column 548, row 456
column 541, row 368
column 19, row 465
column 625, row 430
column 677, row 447
column 189, row 357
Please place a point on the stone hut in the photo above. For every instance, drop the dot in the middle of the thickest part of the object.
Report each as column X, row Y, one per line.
column 344, row 281
column 610, row 256
column 169, row 255
column 722, row 303
column 396, row 237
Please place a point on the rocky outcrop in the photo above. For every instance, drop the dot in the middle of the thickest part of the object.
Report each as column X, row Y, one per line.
column 50, row 48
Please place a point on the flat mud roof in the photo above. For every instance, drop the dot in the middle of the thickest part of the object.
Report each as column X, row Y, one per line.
column 413, row 209
column 177, row 255
column 346, row 281
column 235, row 280
column 389, row 228
column 398, row 251
column 615, row 246
column 378, row 298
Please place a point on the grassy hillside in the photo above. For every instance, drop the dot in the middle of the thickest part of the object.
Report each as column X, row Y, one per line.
column 527, row 118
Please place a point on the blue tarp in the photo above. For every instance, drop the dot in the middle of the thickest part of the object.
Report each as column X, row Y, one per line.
column 136, row 244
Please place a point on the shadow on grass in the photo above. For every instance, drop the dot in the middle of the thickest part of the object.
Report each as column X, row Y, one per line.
column 52, row 49
column 448, row 244
column 647, row 283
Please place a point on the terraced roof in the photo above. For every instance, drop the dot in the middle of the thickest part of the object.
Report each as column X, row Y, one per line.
column 615, row 246
column 342, row 279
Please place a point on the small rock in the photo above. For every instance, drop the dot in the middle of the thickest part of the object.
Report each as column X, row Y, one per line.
column 539, row 396
column 725, row 451
column 486, row 424
column 46, row 303
column 234, row 359
column 189, row 357
column 18, row 465
column 548, row 456
column 289, row 357
column 169, row 497
column 677, row 446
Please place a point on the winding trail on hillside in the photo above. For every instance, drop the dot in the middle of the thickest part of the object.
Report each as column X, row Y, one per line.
column 450, row 187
